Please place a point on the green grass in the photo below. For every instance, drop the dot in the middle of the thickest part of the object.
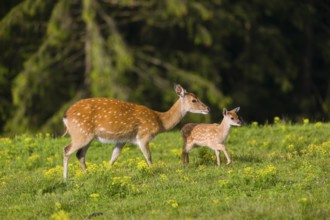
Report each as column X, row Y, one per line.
column 278, row 172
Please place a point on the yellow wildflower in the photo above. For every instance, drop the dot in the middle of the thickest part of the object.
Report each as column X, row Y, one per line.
column 78, row 173
column 252, row 142
column 248, row 170
column 318, row 124
column 33, row 160
column 215, row 201
column 53, row 172
column 176, row 152
column 277, row 120
column 254, row 124
column 306, row 121
column 58, row 205
column 223, row 183
column 303, row 200
column 60, row 215
column 94, row 195
column 143, row 166
column 179, row 171
column 291, row 147
column 174, row 204
column 159, row 164
column 163, row 177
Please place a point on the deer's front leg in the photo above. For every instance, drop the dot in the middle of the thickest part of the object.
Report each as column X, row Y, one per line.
column 217, row 153
column 116, row 151
column 144, row 147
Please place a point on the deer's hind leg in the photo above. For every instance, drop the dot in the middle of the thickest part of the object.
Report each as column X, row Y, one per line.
column 185, row 155
column 187, row 146
column 81, row 147
column 81, row 156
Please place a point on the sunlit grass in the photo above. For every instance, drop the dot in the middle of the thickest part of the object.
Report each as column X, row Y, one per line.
column 279, row 171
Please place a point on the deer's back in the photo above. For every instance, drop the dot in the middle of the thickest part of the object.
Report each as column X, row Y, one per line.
column 200, row 133
column 111, row 119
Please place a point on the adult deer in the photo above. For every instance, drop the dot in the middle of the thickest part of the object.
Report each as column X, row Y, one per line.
column 211, row 135
column 114, row 121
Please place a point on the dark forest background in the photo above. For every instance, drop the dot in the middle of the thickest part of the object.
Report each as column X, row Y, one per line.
column 271, row 58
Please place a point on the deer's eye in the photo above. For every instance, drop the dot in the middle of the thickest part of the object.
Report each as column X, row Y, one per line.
column 194, row 100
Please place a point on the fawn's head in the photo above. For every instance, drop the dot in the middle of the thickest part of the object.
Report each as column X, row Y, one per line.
column 190, row 102
column 232, row 117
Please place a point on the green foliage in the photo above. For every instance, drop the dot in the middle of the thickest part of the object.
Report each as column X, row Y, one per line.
column 266, row 170
column 256, row 54
column 107, row 59
column 59, row 25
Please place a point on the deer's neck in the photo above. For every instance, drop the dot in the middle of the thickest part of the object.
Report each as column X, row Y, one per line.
column 224, row 129
column 173, row 116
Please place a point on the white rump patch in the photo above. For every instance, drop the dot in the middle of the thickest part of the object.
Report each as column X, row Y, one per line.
column 65, row 121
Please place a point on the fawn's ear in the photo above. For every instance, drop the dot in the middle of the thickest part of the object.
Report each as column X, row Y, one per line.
column 235, row 109
column 224, row 112
column 179, row 90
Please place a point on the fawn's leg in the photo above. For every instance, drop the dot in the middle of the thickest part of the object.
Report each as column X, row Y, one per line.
column 217, row 153
column 222, row 147
column 188, row 145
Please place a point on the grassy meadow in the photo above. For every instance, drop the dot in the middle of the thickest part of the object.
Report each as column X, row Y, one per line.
column 279, row 171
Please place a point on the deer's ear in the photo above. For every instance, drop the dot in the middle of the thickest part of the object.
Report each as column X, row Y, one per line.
column 236, row 109
column 224, row 112
column 179, row 90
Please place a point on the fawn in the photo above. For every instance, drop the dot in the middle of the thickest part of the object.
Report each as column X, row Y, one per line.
column 210, row 135
column 115, row 121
